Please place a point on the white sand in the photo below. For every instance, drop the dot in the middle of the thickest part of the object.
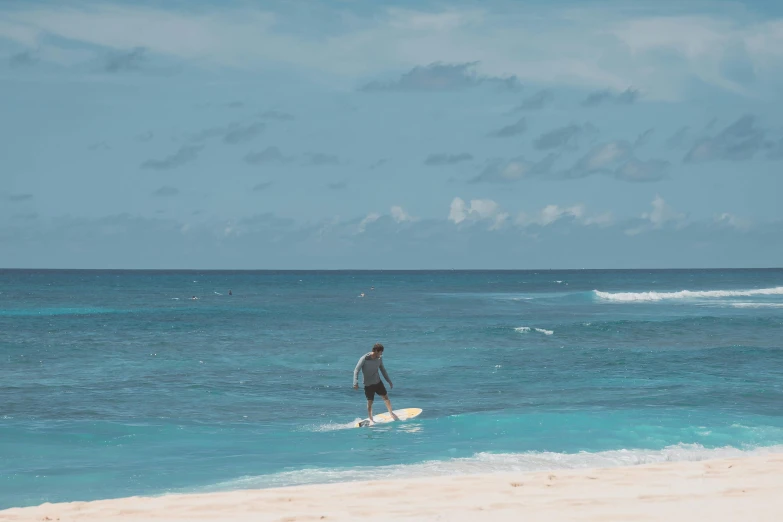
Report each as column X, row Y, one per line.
column 746, row 489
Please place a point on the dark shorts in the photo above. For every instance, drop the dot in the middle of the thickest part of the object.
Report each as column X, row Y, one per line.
column 371, row 390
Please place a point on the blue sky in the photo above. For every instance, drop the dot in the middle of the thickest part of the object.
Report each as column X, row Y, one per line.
column 350, row 134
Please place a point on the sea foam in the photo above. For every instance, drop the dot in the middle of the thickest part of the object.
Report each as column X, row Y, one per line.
column 526, row 329
column 757, row 305
column 492, row 463
column 685, row 294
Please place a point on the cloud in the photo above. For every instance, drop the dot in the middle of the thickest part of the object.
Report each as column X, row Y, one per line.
column 23, row 59
column 536, row 101
column 25, row 217
column 321, row 159
column 604, row 219
column 125, row 61
column 661, row 214
column 677, row 140
column 477, row 210
column 616, row 159
column 102, row 145
column 268, row 155
column 166, row 191
column 339, row 185
column 231, row 134
column 737, row 66
column 551, row 214
column 447, row 159
column 378, row 163
column 643, row 138
column 276, row 115
column 775, row 151
column 635, row 170
column 184, row 155
column 740, row 141
column 732, row 221
column 668, row 51
column 16, row 198
column 556, row 235
column 147, row 136
column 515, row 129
column 226, row 105
column 509, row 171
column 370, row 218
column 262, row 186
column 563, row 137
column 603, row 158
column 439, row 76
column 241, row 134
column 627, row 97
column 399, row 215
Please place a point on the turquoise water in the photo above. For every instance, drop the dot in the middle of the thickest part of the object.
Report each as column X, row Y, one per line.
column 118, row 383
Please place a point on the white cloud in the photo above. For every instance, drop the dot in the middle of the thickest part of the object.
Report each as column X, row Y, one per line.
column 595, row 47
column 399, row 215
column 515, row 169
column 605, row 155
column 661, row 214
column 372, row 217
column 604, row 219
column 732, row 221
column 458, row 211
column 489, row 210
column 553, row 213
column 477, row 210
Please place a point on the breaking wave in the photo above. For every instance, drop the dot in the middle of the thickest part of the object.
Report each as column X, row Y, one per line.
column 493, row 463
column 685, row 294
column 526, row 329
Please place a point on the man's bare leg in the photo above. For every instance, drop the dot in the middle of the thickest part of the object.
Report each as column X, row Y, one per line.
column 389, row 407
column 369, row 411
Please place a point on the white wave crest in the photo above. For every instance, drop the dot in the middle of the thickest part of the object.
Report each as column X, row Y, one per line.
column 492, row 463
column 757, row 305
column 685, row 294
column 526, row 329
column 331, row 426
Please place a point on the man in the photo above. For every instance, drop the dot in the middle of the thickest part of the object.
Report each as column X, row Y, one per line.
column 370, row 363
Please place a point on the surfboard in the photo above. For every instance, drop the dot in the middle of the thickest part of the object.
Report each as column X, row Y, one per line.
column 383, row 418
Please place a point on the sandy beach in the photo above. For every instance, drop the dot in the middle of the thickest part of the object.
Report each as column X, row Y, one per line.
column 747, row 489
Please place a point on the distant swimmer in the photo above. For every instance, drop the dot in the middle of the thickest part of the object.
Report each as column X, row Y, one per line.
column 194, row 298
column 369, row 364
column 229, row 292
column 361, row 295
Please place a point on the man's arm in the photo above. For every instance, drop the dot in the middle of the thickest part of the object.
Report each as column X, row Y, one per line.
column 356, row 371
column 385, row 375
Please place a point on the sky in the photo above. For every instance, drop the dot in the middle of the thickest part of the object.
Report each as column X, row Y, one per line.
column 391, row 135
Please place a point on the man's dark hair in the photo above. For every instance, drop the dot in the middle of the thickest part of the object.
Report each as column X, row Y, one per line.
column 377, row 348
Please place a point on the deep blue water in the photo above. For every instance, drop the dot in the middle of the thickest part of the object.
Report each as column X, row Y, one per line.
column 118, row 383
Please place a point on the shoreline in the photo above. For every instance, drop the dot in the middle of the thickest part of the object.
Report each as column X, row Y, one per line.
column 729, row 489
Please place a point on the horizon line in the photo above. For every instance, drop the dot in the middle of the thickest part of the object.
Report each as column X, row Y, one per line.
column 38, row 269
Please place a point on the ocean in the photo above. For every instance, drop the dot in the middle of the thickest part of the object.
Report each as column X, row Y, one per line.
column 119, row 383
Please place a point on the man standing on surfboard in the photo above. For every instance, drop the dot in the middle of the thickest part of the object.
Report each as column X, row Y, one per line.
column 370, row 363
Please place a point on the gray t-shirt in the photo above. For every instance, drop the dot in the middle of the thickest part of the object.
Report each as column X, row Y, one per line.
column 370, row 367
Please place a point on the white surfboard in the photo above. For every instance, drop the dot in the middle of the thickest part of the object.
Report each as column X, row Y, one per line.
column 382, row 418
